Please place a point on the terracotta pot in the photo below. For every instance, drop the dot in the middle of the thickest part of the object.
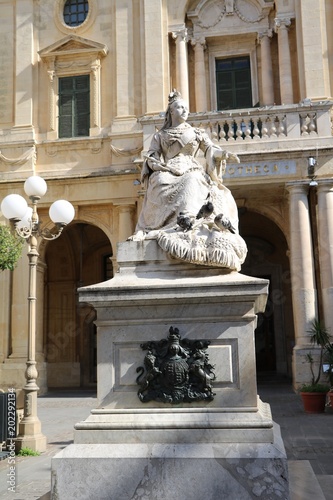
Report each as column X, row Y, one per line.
column 314, row 402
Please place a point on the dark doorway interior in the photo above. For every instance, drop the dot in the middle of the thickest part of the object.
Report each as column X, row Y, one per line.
column 81, row 257
column 267, row 259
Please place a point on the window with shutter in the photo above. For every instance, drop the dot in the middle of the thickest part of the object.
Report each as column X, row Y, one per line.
column 233, row 83
column 74, row 106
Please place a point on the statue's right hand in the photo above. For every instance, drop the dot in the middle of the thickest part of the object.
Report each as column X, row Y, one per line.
column 138, row 236
column 156, row 165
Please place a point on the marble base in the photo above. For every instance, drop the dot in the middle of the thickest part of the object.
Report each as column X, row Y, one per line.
column 224, row 448
column 152, row 292
column 177, row 425
column 213, row 471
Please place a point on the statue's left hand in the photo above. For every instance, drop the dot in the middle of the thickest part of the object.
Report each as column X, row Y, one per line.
column 222, row 154
column 231, row 157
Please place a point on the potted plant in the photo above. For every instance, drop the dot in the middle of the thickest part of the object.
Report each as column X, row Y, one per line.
column 314, row 394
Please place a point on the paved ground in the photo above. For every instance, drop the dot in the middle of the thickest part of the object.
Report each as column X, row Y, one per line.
column 306, row 438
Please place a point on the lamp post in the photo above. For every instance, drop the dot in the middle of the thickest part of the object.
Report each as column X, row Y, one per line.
column 25, row 221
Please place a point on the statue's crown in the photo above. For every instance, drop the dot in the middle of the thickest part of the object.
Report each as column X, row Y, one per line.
column 174, row 96
column 174, row 336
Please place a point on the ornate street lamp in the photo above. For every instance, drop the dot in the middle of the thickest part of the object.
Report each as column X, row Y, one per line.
column 26, row 223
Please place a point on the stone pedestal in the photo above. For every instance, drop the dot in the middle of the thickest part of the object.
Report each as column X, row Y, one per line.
column 219, row 449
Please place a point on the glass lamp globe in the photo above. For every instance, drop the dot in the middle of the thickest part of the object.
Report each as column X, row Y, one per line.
column 35, row 186
column 61, row 212
column 14, row 206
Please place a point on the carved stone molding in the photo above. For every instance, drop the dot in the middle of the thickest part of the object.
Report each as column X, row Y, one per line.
column 209, row 14
column 31, row 154
column 95, row 146
column 240, row 10
column 73, row 55
column 125, row 152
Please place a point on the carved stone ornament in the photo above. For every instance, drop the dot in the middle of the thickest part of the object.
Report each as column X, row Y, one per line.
column 175, row 370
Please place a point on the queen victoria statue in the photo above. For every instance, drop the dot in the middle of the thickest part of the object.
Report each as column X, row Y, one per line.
column 186, row 208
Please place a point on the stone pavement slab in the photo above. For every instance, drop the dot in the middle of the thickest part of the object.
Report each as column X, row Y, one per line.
column 58, row 413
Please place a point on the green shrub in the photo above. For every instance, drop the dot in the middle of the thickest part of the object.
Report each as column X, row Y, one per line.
column 28, row 452
column 10, row 248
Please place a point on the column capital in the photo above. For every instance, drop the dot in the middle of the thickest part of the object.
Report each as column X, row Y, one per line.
column 95, row 65
column 180, row 35
column 264, row 34
column 325, row 185
column 51, row 74
column 198, row 42
column 282, row 22
column 124, row 206
column 298, row 187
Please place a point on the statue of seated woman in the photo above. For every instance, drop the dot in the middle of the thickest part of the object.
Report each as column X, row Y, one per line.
column 186, row 208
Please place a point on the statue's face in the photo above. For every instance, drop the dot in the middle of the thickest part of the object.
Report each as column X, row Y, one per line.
column 179, row 110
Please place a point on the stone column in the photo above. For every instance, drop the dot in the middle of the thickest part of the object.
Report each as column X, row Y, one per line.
column 325, row 241
column 123, row 54
column 286, row 83
column 313, row 64
column 303, row 288
column 52, row 128
column 266, row 68
column 155, row 56
column 95, row 120
column 125, row 221
column 200, row 75
column 181, row 62
column 24, row 65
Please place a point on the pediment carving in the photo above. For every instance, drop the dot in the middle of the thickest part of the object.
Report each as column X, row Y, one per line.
column 73, row 45
column 210, row 14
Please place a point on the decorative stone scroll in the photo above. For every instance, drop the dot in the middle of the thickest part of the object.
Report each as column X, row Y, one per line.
column 209, row 16
column 175, row 370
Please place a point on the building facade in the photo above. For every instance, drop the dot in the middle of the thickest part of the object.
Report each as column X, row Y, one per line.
column 84, row 84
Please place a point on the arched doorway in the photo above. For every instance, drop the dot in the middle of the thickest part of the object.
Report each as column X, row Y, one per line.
column 267, row 258
column 80, row 257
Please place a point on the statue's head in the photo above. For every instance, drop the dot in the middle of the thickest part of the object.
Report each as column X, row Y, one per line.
column 174, row 98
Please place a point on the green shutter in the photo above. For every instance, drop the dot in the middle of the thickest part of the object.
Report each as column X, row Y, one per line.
column 74, row 106
column 233, row 83
column 82, row 105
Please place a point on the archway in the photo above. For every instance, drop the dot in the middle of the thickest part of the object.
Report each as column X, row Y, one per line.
column 267, row 258
column 80, row 257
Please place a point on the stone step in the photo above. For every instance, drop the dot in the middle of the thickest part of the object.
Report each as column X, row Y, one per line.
column 326, row 484
column 303, row 482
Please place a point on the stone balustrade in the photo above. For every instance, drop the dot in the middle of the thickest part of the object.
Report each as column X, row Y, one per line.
column 270, row 123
